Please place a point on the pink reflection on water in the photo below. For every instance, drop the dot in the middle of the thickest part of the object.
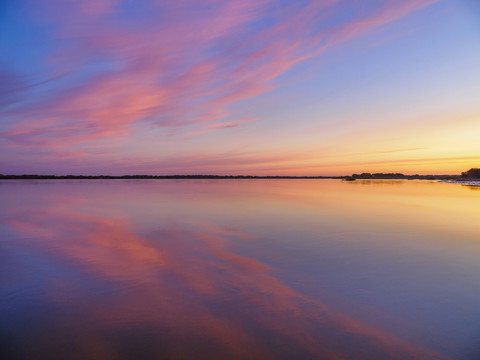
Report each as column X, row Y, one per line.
column 181, row 291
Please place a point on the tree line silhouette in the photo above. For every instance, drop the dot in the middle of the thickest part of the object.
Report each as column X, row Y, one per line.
column 473, row 173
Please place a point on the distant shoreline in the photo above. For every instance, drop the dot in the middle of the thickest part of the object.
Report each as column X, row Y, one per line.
column 159, row 177
column 472, row 175
column 456, row 178
column 464, row 182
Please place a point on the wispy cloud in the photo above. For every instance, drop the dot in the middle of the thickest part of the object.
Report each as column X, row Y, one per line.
column 224, row 125
column 174, row 64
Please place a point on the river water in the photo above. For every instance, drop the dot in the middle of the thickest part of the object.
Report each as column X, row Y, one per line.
column 239, row 269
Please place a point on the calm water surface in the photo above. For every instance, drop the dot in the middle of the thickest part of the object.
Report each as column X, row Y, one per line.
column 239, row 269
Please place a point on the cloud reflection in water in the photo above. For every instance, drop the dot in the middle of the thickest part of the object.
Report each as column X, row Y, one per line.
column 114, row 291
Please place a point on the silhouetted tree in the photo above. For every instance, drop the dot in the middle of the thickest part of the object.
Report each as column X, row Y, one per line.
column 473, row 173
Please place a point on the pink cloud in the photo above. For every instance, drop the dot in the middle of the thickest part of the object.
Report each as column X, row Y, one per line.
column 183, row 64
column 224, row 125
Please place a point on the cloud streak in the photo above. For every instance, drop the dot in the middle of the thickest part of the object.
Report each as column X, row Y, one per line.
column 174, row 64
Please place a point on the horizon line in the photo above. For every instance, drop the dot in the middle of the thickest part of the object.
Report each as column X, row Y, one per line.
column 355, row 175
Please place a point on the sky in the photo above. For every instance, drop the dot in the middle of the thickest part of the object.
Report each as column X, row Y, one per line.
column 251, row 87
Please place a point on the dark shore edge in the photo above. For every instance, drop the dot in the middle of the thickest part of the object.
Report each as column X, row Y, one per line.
column 187, row 177
column 470, row 175
column 160, row 177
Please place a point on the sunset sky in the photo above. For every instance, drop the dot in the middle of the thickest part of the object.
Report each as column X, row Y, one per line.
column 261, row 87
